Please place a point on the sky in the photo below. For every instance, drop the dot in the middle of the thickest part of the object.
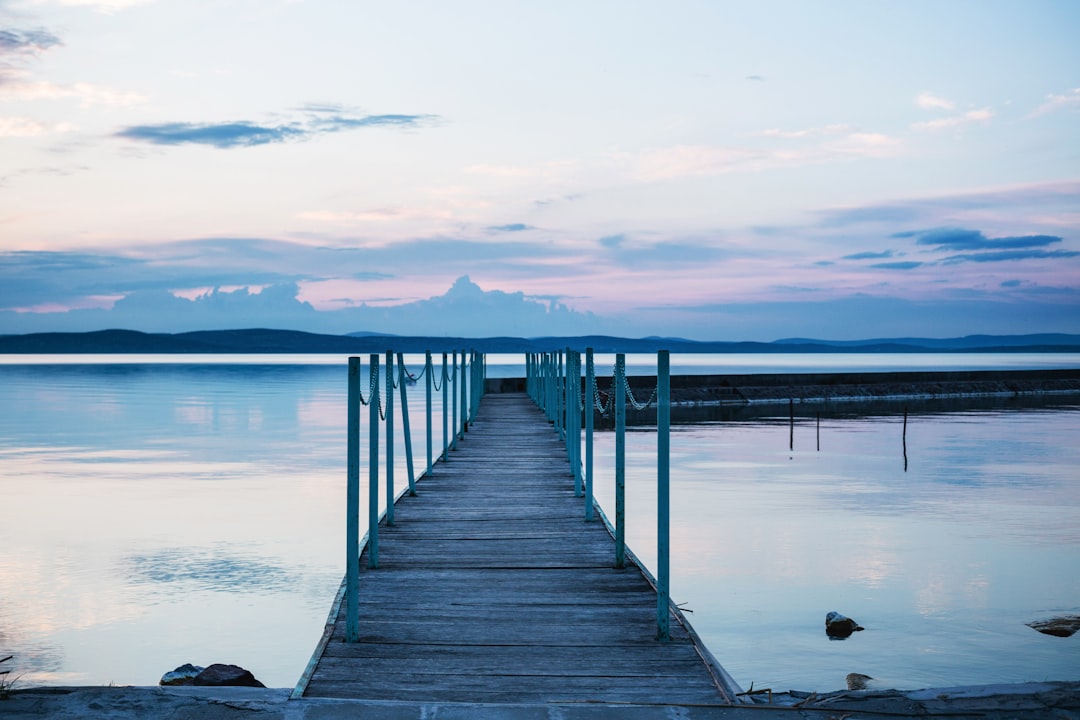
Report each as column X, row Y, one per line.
column 710, row 170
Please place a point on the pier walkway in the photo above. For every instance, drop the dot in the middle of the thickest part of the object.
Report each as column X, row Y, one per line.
column 492, row 588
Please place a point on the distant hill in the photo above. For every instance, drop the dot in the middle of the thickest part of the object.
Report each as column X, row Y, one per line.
column 260, row 340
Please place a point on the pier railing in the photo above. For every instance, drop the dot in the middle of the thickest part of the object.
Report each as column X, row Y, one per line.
column 571, row 402
column 565, row 388
column 461, row 389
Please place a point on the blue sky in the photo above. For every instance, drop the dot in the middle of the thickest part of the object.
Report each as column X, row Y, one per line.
column 715, row 170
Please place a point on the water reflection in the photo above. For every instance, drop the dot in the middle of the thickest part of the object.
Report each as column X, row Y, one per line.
column 216, row 569
column 943, row 564
column 164, row 514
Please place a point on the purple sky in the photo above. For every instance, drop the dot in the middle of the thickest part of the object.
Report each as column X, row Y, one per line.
column 735, row 171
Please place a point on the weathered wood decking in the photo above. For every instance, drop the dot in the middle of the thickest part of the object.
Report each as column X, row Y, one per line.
column 493, row 588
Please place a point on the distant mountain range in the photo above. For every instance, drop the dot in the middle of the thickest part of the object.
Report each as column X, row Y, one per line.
column 290, row 341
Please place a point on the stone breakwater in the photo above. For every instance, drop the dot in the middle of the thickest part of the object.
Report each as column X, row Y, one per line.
column 753, row 389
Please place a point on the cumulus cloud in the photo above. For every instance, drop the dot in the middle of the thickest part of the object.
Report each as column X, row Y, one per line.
column 225, row 135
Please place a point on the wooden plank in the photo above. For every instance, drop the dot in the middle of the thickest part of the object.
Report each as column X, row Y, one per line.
column 493, row 588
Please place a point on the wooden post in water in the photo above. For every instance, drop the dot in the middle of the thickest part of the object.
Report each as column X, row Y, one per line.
column 352, row 507
column 819, row 432
column 373, row 466
column 590, row 409
column 663, row 495
column 403, row 382
column 791, row 423
column 389, row 412
column 618, row 387
column 905, row 438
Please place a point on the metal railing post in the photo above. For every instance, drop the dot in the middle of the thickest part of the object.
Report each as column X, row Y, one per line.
column 575, row 419
column 454, row 399
column 618, row 387
column 590, row 410
column 560, row 396
column 403, row 383
column 445, row 410
column 373, row 466
column 352, row 507
column 389, row 412
column 663, row 494
column 428, row 370
column 464, row 427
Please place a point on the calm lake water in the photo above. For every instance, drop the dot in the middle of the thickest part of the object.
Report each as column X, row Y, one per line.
column 154, row 513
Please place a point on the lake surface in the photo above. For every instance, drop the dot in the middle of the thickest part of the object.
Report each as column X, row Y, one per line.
column 156, row 512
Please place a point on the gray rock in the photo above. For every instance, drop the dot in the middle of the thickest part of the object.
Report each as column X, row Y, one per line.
column 182, row 675
column 1058, row 627
column 220, row 675
column 858, row 681
column 840, row 626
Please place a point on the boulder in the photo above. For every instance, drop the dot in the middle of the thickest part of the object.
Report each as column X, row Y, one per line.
column 182, row 675
column 219, row 675
column 839, row 626
column 1058, row 627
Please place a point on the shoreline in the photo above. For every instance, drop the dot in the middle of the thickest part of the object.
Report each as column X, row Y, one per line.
column 1025, row 701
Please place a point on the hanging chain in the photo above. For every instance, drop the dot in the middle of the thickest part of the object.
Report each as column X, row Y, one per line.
column 633, row 401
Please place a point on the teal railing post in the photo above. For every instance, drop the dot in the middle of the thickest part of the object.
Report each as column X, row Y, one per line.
column 560, row 396
column 428, row 369
column 445, row 410
column 454, row 399
column 590, row 409
column 575, row 419
column 663, row 494
column 389, row 412
column 464, row 427
column 403, row 383
column 549, row 385
column 619, row 388
column 373, row 466
column 352, row 508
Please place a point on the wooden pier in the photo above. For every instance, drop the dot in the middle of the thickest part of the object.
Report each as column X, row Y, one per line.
column 492, row 588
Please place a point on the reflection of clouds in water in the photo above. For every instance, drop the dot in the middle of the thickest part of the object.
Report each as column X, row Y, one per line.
column 208, row 569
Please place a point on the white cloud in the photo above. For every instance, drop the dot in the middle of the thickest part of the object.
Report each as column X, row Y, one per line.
column 28, row 127
column 105, row 6
column 690, row 160
column 13, row 87
column 932, row 102
column 837, row 129
column 972, row 116
column 1058, row 102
